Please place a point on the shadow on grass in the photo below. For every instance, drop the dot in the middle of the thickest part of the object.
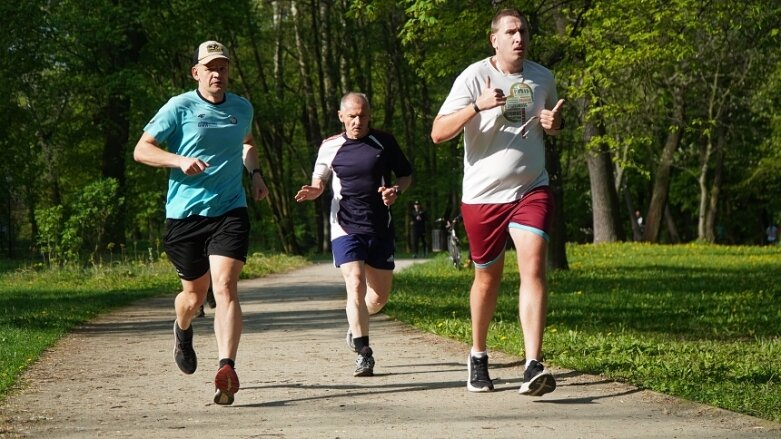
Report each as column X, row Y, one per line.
column 681, row 302
column 62, row 309
column 670, row 300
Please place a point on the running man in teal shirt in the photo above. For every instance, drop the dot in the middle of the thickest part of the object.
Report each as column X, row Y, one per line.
column 209, row 142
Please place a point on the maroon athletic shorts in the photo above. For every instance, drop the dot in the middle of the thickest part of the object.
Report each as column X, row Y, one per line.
column 488, row 225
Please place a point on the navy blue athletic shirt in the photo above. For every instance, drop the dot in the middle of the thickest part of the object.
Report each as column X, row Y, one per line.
column 357, row 168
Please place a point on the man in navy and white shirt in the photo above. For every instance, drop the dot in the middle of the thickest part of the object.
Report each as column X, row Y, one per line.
column 361, row 162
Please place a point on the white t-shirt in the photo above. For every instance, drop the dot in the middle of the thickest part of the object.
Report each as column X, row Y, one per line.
column 500, row 166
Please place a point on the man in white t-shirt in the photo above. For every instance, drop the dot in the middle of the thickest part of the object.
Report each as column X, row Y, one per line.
column 504, row 104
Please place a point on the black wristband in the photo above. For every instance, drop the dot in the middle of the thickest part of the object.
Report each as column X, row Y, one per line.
column 255, row 171
column 474, row 105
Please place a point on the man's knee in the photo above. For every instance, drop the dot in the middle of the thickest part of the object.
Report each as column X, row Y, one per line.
column 225, row 292
column 376, row 306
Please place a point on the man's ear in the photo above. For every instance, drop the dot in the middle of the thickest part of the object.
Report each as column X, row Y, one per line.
column 194, row 72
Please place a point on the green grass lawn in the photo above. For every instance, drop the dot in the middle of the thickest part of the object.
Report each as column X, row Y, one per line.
column 39, row 306
column 701, row 322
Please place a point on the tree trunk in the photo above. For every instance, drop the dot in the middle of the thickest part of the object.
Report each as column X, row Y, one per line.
column 705, row 157
column 604, row 198
column 271, row 142
column 115, row 124
column 557, row 248
column 633, row 213
column 702, row 182
column 672, row 230
column 116, row 134
column 310, row 119
column 653, row 220
column 715, row 191
column 330, row 71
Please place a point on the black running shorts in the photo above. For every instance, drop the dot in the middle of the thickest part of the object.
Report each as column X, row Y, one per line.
column 190, row 241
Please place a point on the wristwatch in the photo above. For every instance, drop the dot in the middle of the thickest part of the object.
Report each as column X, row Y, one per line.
column 255, row 171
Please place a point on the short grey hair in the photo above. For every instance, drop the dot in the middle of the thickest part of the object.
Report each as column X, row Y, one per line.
column 351, row 96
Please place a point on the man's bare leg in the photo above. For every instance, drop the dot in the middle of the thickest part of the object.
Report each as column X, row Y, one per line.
column 379, row 283
column 228, row 324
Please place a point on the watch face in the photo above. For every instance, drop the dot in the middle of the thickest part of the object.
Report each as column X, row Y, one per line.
column 520, row 100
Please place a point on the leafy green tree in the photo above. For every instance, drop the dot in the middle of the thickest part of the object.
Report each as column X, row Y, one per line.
column 669, row 78
column 65, row 232
column 671, row 107
column 27, row 59
column 50, row 221
column 737, row 51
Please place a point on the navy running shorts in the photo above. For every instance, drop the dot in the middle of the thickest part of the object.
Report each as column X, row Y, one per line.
column 375, row 251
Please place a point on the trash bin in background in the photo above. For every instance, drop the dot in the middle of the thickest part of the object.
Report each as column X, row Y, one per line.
column 438, row 240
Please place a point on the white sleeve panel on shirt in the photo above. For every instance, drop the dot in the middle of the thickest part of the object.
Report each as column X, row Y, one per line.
column 325, row 157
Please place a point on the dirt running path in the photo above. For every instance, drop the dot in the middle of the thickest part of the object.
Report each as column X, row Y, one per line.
column 115, row 378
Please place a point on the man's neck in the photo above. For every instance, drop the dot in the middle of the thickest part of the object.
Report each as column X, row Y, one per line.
column 507, row 68
column 214, row 98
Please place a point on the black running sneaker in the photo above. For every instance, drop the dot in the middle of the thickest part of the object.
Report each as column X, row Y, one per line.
column 201, row 312
column 184, row 354
column 349, row 340
column 226, row 384
column 364, row 364
column 479, row 380
column 536, row 380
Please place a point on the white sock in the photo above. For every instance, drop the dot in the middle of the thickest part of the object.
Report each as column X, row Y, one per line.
column 529, row 361
column 479, row 354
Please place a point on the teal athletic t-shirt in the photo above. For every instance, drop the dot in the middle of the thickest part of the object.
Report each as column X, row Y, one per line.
column 194, row 127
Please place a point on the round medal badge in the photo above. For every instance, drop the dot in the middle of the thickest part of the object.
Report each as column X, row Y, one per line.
column 519, row 101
